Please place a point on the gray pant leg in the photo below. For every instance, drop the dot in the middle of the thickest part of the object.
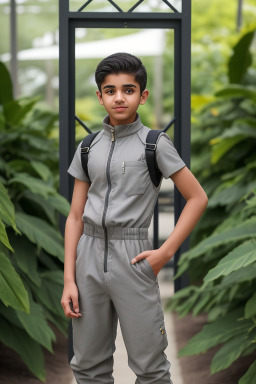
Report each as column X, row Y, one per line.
column 94, row 333
column 135, row 293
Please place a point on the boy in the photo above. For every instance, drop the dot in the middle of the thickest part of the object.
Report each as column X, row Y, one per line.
column 110, row 268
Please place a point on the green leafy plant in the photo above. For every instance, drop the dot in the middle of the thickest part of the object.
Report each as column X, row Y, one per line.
column 31, row 247
column 221, row 262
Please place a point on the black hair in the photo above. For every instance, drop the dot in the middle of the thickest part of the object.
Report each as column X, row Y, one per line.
column 121, row 62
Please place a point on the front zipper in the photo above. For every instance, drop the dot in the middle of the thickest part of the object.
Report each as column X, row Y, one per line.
column 107, row 197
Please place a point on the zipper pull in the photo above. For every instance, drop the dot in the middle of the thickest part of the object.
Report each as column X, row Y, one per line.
column 123, row 167
column 112, row 134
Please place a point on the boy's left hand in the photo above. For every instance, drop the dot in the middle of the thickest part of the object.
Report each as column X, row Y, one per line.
column 155, row 258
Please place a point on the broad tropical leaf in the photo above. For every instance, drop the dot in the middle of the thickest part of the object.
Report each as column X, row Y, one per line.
column 36, row 325
column 222, row 330
column 237, row 67
column 28, row 349
column 51, row 292
column 238, row 258
column 41, row 233
column 242, row 231
column 250, row 307
column 249, row 376
column 42, row 170
column 5, row 85
column 26, row 258
column 12, row 290
column 7, row 213
column 34, row 184
column 230, row 352
column 3, row 236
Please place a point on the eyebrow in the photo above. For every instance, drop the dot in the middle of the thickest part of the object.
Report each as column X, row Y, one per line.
column 124, row 85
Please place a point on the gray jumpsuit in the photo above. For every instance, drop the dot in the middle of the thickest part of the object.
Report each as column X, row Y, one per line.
column 117, row 214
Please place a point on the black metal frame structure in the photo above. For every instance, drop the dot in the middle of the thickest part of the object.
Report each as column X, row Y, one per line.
column 180, row 22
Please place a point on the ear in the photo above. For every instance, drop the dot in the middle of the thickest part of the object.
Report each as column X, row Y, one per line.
column 99, row 95
column 144, row 96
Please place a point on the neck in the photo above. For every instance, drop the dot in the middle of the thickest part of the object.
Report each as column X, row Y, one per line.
column 114, row 122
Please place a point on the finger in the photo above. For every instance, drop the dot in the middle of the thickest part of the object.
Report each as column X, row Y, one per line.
column 65, row 306
column 73, row 315
column 140, row 256
column 68, row 311
column 75, row 306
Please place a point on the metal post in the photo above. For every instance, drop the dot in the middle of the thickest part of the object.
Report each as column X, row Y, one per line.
column 239, row 15
column 13, row 49
column 66, row 101
column 182, row 108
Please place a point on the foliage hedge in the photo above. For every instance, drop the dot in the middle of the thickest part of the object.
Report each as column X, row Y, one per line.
column 221, row 262
column 31, row 245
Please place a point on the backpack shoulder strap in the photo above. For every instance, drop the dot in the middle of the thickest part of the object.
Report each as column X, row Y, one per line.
column 150, row 153
column 85, row 147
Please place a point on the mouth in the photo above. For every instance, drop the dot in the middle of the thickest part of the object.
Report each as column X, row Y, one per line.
column 120, row 108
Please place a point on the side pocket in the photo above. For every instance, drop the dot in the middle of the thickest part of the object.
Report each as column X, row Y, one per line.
column 147, row 269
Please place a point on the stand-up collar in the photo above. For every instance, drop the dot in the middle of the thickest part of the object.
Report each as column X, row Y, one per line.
column 122, row 130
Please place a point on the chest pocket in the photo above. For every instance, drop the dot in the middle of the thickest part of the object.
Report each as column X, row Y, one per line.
column 135, row 177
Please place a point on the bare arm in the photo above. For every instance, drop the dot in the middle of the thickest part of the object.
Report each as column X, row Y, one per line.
column 196, row 204
column 73, row 231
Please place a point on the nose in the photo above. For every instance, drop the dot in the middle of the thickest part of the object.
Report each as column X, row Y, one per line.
column 119, row 97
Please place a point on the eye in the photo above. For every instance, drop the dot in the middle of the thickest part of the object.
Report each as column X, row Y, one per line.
column 129, row 91
column 110, row 91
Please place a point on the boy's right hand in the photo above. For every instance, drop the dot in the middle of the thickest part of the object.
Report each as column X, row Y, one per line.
column 70, row 295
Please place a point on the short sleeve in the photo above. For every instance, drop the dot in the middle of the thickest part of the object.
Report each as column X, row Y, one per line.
column 75, row 169
column 167, row 157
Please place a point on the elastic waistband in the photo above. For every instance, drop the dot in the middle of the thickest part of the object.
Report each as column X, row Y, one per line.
column 128, row 233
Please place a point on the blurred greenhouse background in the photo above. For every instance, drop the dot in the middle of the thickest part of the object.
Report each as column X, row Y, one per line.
column 222, row 260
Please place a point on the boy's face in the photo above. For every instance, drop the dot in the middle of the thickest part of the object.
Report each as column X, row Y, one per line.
column 121, row 97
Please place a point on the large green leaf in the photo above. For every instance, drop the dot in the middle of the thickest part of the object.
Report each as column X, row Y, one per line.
column 51, row 291
column 42, row 170
column 249, row 376
column 239, row 276
column 36, row 325
column 230, row 352
column 28, row 349
column 60, row 203
column 213, row 334
column 2, row 119
column 238, row 258
column 50, row 205
column 12, row 290
column 43, row 204
column 3, row 236
column 242, row 231
column 237, row 67
column 60, row 322
column 7, row 212
column 41, row 233
column 230, row 195
column 250, row 307
column 5, row 85
column 26, row 258
column 15, row 110
column 222, row 147
column 37, row 143
column 240, row 91
column 34, row 184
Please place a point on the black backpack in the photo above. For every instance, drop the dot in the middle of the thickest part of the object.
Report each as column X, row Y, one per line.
column 150, row 153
